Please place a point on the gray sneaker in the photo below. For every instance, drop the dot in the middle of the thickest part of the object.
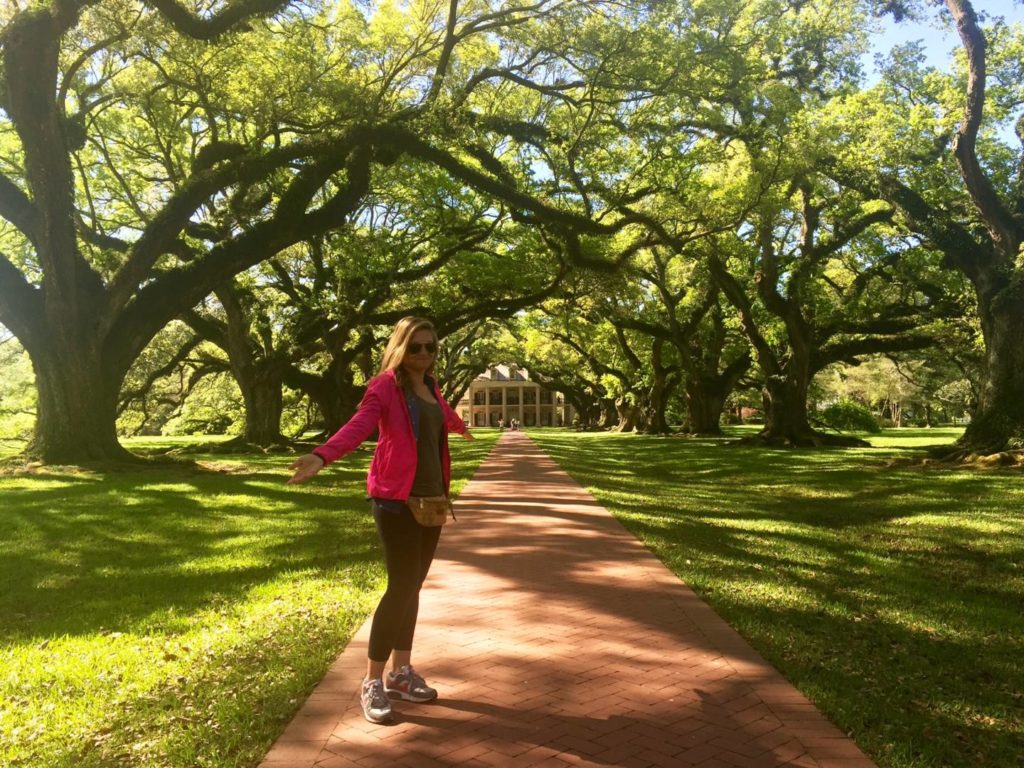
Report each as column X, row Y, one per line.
column 406, row 684
column 376, row 705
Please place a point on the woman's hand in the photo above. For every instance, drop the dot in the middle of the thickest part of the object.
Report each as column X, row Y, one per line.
column 305, row 467
column 467, row 435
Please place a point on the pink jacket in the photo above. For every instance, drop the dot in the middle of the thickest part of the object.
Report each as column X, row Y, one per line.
column 394, row 462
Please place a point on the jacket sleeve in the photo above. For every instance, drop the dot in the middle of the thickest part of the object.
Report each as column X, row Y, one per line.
column 453, row 422
column 359, row 427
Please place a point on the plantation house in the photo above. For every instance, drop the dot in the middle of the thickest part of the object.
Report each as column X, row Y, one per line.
column 506, row 392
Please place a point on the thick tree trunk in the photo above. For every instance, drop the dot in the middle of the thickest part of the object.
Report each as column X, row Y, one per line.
column 658, row 423
column 77, row 391
column 255, row 364
column 998, row 423
column 264, row 403
column 704, row 403
column 584, row 408
column 786, row 418
column 628, row 415
column 707, row 389
column 998, row 279
column 609, row 414
column 662, row 385
column 337, row 402
column 786, row 421
column 336, row 399
column 336, row 411
column 77, row 411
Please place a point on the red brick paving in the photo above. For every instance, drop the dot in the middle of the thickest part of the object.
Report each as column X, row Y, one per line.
column 556, row 639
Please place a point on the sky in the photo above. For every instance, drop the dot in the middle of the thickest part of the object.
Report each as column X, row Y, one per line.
column 939, row 38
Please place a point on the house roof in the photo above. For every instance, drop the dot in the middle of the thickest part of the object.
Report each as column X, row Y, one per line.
column 504, row 372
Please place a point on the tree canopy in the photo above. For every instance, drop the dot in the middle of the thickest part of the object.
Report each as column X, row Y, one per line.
column 688, row 198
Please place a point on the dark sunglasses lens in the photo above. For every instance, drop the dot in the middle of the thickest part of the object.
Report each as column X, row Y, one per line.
column 415, row 347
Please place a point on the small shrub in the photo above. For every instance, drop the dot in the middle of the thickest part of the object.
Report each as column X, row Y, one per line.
column 850, row 415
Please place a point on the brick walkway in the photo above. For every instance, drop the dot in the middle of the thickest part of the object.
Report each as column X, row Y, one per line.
column 556, row 639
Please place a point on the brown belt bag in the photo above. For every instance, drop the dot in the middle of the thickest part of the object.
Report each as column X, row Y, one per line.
column 431, row 511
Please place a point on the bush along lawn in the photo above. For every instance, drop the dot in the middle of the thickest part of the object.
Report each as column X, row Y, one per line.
column 178, row 615
column 892, row 596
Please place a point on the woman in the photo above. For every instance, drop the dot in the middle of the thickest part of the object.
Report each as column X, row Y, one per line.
column 404, row 403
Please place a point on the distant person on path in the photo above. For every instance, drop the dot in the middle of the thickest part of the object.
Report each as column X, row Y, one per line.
column 411, row 460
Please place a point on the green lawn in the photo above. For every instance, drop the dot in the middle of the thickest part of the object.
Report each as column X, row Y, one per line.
column 892, row 596
column 178, row 615
column 9, row 448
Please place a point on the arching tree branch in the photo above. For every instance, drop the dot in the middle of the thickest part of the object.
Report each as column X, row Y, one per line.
column 212, row 27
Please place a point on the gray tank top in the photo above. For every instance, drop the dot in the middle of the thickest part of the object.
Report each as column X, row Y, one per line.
column 429, row 481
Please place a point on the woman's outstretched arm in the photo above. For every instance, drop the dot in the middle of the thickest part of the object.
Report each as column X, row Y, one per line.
column 346, row 439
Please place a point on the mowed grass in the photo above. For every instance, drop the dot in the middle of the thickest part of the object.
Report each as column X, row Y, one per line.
column 892, row 596
column 178, row 615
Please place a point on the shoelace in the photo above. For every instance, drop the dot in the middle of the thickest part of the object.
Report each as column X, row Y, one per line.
column 378, row 697
column 415, row 681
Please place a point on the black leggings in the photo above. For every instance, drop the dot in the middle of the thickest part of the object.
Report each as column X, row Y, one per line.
column 408, row 552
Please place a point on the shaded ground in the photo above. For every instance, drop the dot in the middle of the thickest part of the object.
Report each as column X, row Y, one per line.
column 556, row 639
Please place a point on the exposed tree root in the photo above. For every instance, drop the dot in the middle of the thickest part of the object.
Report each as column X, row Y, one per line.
column 27, row 465
column 236, row 445
column 812, row 440
column 30, row 465
column 967, row 458
column 947, row 456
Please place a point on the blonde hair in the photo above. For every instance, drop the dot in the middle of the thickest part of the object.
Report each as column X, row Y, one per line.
column 398, row 344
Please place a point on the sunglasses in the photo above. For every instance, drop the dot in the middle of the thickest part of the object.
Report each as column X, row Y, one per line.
column 415, row 347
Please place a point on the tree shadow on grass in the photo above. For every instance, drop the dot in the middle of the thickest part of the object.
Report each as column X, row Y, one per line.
column 87, row 551
column 809, row 487
column 881, row 669
column 106, row 552
column 928, row 698
column 898, row 612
